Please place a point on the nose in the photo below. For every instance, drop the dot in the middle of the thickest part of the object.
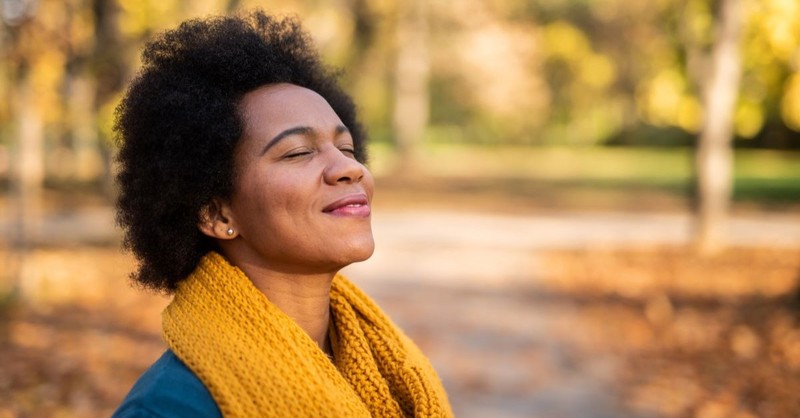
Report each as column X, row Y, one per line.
column 342, row 168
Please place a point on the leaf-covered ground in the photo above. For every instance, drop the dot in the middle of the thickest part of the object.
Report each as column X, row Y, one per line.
column 644, row 332
column 705, row 337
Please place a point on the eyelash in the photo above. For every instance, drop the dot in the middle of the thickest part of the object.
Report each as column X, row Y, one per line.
column 297, row 154
column 347, row 150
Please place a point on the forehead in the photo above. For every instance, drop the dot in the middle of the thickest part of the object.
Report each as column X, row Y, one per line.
column 275, row 107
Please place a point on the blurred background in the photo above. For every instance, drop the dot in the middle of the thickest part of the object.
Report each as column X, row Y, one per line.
column 584, row 208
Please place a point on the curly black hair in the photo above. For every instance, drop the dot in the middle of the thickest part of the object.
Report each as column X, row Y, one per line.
column 178, row 125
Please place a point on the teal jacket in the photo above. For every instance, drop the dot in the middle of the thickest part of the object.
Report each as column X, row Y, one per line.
column 168, row 389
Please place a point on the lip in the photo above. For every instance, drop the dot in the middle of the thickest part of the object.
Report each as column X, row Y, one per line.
column 355, row 204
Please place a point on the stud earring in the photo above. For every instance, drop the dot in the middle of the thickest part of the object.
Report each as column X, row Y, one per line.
column 229, row 232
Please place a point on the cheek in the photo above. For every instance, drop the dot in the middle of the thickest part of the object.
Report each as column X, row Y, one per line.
column 279, row 204
column 254, row 200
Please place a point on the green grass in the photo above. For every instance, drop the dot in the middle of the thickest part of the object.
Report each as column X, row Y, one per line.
column 759, row 175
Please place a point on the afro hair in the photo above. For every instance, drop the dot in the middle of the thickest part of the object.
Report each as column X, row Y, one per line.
column 178, row 125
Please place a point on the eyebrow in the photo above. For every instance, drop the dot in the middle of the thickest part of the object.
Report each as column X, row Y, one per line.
column 298, row 130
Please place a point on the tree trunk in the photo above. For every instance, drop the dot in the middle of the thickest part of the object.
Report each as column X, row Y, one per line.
column 26, row 173
column 89, row 165
column 714, row 156
column 26, row 183
column 29, row 169
column 110, row 73
column 411, row 103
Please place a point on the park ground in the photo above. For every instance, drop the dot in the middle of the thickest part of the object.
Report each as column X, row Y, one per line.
column 551, row 297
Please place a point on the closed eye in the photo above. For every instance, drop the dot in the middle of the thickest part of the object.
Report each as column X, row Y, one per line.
column 348, row 150
column 296, row 154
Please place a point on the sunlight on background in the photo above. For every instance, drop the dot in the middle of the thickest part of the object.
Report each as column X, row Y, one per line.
column 533, row 225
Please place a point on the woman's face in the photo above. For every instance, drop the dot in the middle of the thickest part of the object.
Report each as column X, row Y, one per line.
column 301, row 203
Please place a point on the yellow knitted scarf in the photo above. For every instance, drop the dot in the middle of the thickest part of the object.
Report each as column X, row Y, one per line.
column 257, row 362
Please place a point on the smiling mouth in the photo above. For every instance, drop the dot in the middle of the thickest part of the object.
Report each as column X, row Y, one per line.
column 356, row 205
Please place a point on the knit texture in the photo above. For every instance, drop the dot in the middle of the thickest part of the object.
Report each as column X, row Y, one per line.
column 257, row 362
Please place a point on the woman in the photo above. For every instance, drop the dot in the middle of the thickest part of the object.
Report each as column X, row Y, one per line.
column 243, row 192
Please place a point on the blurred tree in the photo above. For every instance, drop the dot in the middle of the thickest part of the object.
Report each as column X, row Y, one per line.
column 714, row 155
column 24, row 71
column 109, row 70
column 487, row 78
column 411, row 94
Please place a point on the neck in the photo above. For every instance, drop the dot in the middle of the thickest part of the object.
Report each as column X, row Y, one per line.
column 304, row 298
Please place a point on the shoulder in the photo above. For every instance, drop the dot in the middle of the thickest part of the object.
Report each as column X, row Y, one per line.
column 168, row 389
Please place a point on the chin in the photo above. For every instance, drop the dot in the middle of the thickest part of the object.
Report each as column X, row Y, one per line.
column 358, row 251
column 364, row 250
column 367, row 253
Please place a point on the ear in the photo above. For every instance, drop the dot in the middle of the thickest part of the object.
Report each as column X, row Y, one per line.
column 215, row 220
